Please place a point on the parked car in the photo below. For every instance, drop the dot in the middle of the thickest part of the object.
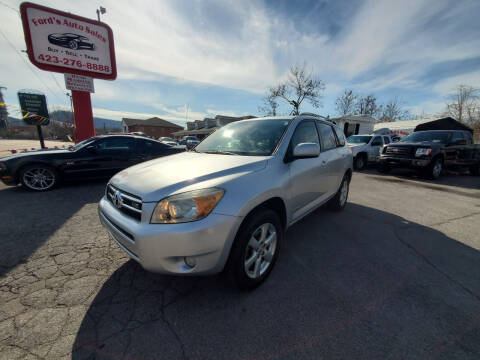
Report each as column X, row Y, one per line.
column 189, row 141
column 168, row 141
column 366, row 148
column 71, row 41
column 97, row 157
column 431, row 151
column 227, row 203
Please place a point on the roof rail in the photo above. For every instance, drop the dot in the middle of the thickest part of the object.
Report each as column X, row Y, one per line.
column 326, row 118
column 312, row 114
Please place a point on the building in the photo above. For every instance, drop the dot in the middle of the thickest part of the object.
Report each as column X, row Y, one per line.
column 355, row 124
column 202, row 128
column 153, row 127
column 402, row 128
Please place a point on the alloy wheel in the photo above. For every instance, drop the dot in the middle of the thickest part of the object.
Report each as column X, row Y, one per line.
column 437, row 168
column 260, row 250
column 39, row 179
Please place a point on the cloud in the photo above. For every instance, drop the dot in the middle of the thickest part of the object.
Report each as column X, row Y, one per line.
column 249, row 45
column 448, row 85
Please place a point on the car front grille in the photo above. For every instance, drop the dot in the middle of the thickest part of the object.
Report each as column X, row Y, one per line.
column 399, row 151
column 127, row 203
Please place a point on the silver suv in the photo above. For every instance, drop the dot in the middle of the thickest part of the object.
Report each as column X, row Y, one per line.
column 226, row 204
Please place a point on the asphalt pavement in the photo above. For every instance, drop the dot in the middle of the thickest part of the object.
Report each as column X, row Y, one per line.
column 395, row 275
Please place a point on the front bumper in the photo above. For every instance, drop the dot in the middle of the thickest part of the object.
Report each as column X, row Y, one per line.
column 162, row 248
column 6, row 177
column 392, row 161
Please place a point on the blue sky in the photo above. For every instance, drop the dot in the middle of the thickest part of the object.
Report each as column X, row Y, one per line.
column 219, row 56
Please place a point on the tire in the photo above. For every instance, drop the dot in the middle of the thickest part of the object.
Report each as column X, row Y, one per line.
column 245, row 249
column 338, row 202
column 39, row 177
column 73, row 45
column 384, row 169
column 434, row 170
column 474, row 170
column 360, row 162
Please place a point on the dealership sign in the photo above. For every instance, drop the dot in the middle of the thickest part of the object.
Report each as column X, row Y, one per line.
column 79, row 83
column 34, row 108
column 66, row 43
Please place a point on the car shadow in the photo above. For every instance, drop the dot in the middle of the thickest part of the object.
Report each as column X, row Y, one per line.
column 362, row 283
column 448, row 177
column 30, row 218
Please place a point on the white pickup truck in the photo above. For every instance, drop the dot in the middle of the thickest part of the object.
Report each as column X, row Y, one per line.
column 366, row 148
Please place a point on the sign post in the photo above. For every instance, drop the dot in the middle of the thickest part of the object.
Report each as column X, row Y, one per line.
column 33, row 106
column 62, row 42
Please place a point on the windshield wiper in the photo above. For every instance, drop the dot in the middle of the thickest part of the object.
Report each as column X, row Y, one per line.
column 220, row 152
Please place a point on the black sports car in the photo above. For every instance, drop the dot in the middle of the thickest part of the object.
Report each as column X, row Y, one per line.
column 71, row 41
column 97, row 157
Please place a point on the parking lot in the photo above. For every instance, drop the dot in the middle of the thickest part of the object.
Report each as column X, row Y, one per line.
column 396, row 275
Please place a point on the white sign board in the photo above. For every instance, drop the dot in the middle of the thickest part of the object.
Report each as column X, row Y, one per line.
column 79, row 83
column 67, row 43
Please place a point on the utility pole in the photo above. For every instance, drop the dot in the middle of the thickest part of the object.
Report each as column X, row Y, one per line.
column 101, row 10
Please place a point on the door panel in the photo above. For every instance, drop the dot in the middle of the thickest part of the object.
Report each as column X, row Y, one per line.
column 309, row 184
column 309, row 180
column 374, row 150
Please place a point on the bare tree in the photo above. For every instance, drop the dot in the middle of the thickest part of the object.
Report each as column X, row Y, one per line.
column 367, row 105
column 464, row 105
column 345, row 103
column 392, row 111
column 269, row 105
column 299, row 86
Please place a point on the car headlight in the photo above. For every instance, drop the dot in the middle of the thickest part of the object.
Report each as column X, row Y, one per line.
column 423, row 151
column 187, row 206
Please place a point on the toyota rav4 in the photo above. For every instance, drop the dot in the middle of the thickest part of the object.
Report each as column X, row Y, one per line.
column 226, row 204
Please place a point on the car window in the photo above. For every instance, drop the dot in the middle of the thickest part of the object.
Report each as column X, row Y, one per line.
column 151, row 147
column 340, row 136
column 469, row 138
column 328, row 137
column 377, row 141
column 386, row 140
column 457, row 136
column 304, row 133
column 116, row 144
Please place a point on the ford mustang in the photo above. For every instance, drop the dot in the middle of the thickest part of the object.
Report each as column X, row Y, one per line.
column 71, row 41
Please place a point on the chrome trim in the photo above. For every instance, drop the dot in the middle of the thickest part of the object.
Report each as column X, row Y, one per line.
column 131, row 207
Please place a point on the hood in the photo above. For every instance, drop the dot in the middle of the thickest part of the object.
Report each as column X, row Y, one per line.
column 419, row 144
column 35, row 153
column 156, row 179
column 356, row 144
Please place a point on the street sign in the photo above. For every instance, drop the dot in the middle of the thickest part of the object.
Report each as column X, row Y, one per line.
column 79, row 83
column 62, row 42
column 34, row 108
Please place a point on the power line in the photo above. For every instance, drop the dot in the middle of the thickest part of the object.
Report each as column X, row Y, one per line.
column 28, row 65
column 8, row 6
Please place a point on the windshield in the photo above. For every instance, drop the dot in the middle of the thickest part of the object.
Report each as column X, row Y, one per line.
column 355, row 139
column 428, row 136
column 81, row 144
column 247, row 137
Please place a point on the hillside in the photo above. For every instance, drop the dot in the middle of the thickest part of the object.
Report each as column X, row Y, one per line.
column 65, row 117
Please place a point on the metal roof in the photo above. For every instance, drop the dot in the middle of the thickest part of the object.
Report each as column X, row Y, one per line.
column 400, row 125
column 154, row 121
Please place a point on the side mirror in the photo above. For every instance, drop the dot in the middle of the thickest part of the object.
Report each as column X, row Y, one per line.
column 306, row 150
column 377, row 143
column 91, row 148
